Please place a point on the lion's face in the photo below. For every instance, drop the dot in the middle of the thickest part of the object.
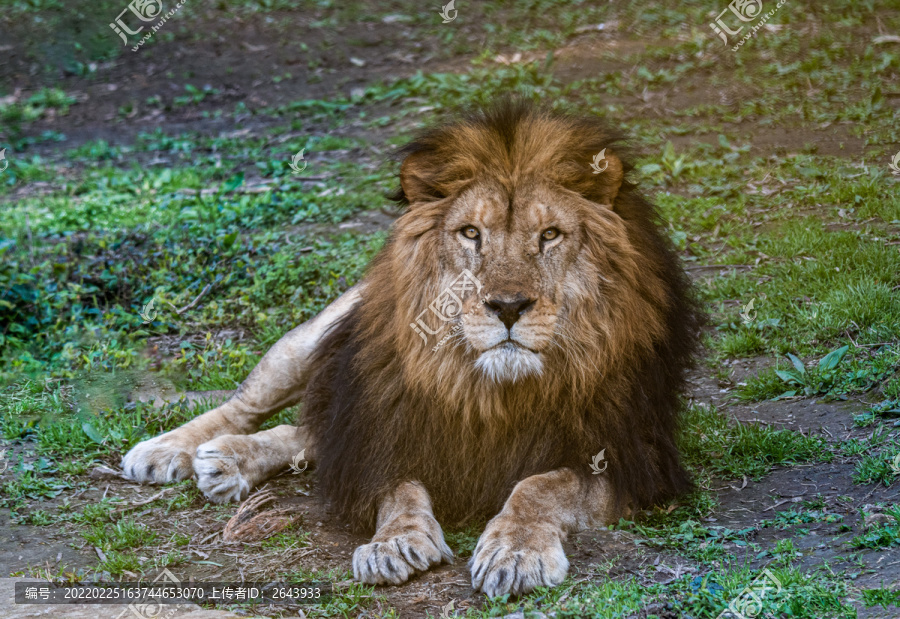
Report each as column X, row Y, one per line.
column 524, row 251
column 564, row 291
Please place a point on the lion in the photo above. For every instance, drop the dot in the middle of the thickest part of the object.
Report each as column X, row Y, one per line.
column 557, row 323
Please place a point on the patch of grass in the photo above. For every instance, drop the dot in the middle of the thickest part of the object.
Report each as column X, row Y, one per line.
column 67, row 37
column 88, row 433
column 884, row 535
column 73, row 468
column 171, row 559
column 117, row 563
column 704, row 543
column 764, row 386
column 97, row 150
column 821, row 380
column 60, row 573
column 185, row 496
column 17, row 113
column 98, row 513
column 882, row 596
column 810, row 239
column 36, row 517
column 745, row 343
column 180, row 539
column 100, row 310
column 711, row 441
column 704, row 596
column 785, row 552
column 292, row 537
column 886, row 409
column 349, row 601
column 22, row 406
column 874, row 469
column 835, row 376
column 788, row 518
column 30, row 485
column 819, row 284
column 478, row 86
column 194, row 95
column 463, row 541
column 126, row 533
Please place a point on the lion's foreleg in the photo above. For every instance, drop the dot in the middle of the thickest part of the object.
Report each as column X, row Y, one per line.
column 229, row 466
column 408, row 539
column 275, row 383
column 521, row 547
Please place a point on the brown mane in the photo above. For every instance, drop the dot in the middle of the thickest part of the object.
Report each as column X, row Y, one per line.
column 384, row 408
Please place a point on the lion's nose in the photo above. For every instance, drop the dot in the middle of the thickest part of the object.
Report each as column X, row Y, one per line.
column 510, row 309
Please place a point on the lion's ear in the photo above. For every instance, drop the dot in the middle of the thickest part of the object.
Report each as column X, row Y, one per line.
column 416, row 179
column 608, row 182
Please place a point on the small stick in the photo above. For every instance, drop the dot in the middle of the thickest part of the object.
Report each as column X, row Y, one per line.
column 194, row 302
column 793, row 500
column 158, row 495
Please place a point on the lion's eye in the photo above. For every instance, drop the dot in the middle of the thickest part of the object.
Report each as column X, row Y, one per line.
column 549, row 234
column 471, row 232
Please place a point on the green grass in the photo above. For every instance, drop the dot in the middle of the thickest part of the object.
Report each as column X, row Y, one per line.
column 348, row 601
column 292, row 537
column 14, row 116
column 717, row 445
column 117, row 563
column 97, row 513
column 789, row 518
column 707, row 544
column 463, row 541
column 882, row 535
column 876, row 469
column 828, row 377
column 846, row 280
column 30, row 485
column 705, row 596
column 882, row 596
column 125, row 533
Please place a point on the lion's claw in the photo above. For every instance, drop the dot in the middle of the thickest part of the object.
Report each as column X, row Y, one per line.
column 395, row 560
column 514, row 558
column 219, row 474
column 159, row 460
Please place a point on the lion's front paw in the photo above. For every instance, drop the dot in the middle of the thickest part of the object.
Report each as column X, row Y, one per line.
column 160, row 460
column 514, row 557
column 218, row 472
column 396, row 559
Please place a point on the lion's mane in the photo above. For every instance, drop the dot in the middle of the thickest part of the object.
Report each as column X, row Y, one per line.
column 383, row 408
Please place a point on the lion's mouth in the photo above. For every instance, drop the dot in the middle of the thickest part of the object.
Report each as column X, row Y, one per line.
column 514, row 346
column 509, row 361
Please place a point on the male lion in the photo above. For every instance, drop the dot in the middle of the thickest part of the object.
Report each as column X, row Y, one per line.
column 576, row 342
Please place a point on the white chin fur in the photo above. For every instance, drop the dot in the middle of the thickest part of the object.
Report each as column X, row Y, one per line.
column 509, row 363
